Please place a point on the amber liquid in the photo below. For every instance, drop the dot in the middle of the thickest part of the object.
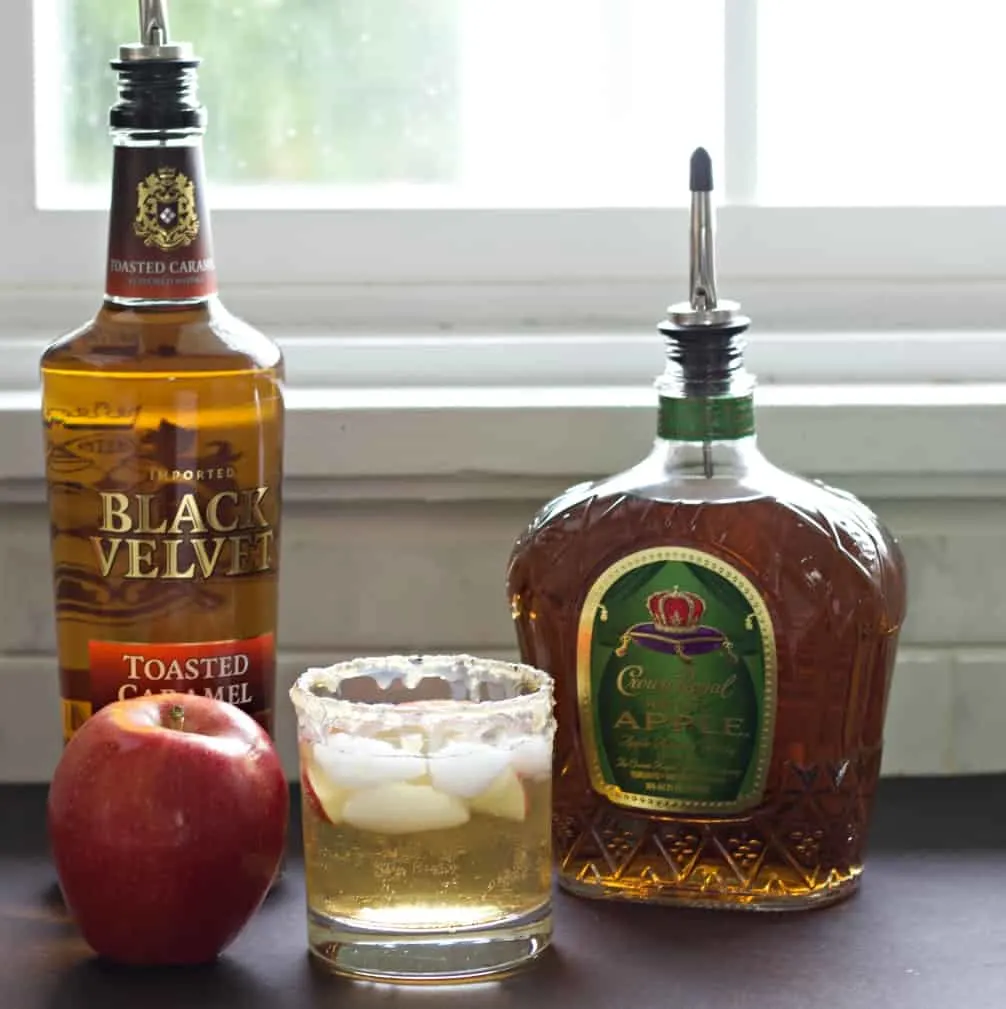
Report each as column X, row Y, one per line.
column 135, row 393
column 485, row 871
column 833, row 581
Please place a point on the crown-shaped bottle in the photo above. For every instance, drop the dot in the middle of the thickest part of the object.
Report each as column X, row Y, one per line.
column 722, row 635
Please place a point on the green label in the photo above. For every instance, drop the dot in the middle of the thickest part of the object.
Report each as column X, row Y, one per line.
column 676, row 679
column 705, row 419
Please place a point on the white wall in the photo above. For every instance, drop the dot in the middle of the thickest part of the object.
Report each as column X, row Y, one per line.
column 366, row 576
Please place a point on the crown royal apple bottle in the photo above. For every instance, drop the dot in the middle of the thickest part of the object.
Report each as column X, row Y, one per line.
column 722, row 636
column 163, row 423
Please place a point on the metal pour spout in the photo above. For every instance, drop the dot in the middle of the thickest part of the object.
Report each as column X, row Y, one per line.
column 703, row 308
column 154, row 29
column 155, row 36
column 702, row 272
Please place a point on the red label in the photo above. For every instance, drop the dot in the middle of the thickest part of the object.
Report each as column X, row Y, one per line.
column 159, row 246
column 241, row 673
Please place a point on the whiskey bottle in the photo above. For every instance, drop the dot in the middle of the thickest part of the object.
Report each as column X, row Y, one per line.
column 163, row 420
column 722, row 635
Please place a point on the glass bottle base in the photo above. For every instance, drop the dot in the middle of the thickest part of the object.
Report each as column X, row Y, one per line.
column 480, row 953
column 831, row 892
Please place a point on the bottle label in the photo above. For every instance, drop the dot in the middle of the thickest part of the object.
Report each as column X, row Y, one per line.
column 241, row 673
column 165, row 550
column 706, row 419
column 160, row 247
column 676, row 681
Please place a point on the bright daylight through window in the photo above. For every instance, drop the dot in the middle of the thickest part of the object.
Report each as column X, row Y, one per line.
column 552, row 102
column 878, row 102
column 428, row 102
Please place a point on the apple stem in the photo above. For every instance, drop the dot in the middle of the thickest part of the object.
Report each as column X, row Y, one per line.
column 177, row 716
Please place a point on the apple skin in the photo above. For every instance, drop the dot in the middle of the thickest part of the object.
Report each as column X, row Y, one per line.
column 165, row 841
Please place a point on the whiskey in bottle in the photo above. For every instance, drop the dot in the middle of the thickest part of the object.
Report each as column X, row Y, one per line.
column 722, row 635
column 163, row 421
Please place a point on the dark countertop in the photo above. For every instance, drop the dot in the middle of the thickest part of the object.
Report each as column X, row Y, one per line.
column 927, row 930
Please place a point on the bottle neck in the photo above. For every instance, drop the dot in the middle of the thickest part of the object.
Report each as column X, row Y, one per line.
column 705, row 393
column 160, row 245
column 703, row 419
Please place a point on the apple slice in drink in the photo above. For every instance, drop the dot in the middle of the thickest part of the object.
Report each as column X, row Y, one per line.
column 403, row 808
column 504, row 798
column 325, row 798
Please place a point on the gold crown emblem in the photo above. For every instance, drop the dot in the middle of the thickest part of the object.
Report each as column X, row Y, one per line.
column 675, row 610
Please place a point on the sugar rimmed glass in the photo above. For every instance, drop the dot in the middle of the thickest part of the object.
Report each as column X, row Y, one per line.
column 427, row 788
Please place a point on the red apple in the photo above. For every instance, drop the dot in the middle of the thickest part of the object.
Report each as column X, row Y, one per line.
column 167, row 818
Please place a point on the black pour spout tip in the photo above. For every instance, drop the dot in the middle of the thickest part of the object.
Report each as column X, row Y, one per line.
column 701, row 177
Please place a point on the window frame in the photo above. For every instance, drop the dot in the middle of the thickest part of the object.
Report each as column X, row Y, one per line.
column 611, row 269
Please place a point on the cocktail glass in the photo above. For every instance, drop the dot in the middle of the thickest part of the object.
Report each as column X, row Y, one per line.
column 427, row 787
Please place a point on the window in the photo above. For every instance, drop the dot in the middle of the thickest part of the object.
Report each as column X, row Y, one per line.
column 454, row 164
column 332, row 95
column 421, row 102
column 879, row 104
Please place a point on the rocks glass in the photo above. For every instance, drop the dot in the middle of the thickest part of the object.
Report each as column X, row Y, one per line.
column 427, row 785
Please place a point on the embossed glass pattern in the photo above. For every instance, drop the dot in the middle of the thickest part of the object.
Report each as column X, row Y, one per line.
column 832, row 579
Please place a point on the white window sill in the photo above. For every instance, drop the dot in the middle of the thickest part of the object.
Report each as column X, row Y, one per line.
column 513, row 390
column 405, row 417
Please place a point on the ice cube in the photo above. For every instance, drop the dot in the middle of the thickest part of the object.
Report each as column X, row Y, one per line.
column 401, row 808
column 466, row 769
column 531, row 756
column 504, row 798
column 360, row 761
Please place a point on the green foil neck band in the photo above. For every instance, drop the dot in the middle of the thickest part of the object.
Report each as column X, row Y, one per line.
column 706, row 419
